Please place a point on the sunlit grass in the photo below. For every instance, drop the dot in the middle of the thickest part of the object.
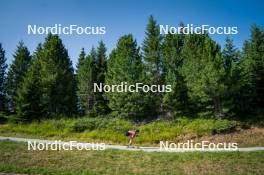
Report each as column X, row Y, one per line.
column 111, row 130
column 16, row 158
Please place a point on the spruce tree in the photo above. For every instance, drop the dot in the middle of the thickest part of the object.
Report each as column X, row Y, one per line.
column 125, row 65
column 86, row 77
column 153, row 64
column 100, row 105
column 16, row 73
column 81, row 60
column 253, row 64
column 28, row 98
column 80, row 64
column 3, row 67
column 204, row 71
column 175, row 102
column 230, row 55
column 101, row 62
column 57, row 79
column 233, row 78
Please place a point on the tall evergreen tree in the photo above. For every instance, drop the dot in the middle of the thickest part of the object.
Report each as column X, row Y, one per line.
column 16, row 73
column 57, row 79
column 153, row 63
column 204, row 71
column 101, row 62
column 86, row 77
column 81, row 59
column 230, row 55
column 28, row 99
column 3, row 67
column 100, row 106
column 174, row 102
column 233, row 78
column 254, row 67
column 125, row 65
column 80, row 64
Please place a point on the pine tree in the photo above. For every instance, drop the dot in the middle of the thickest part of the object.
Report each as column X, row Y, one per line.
column 28, row 98
column 125, row 65
column 175, row 102
column 3, row 67
column 57, row 79
column 153, row 63
column 16, row 73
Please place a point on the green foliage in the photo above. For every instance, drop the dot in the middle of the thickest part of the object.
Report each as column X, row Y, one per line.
column 253, row 65
column 111, row 130
column 224, row 126
column 57, row 79
column 152, row 51
column 48, row 85
column 205, row 81
column 28, row 96
column 101, row 123
column 153, row 65
column 234, row 81
column 81, row 60
column 210, row 127
column 174, row 102
column 101, row 104
column 101, row 62
column 86, row 76
column 3, row 67
column 16, row 73
column 3, row 118
column 125, row 65
column 203, row 71
column 82, row 125
column 92, row 69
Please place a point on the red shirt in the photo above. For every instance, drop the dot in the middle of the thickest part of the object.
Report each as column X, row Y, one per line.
column 132, row 134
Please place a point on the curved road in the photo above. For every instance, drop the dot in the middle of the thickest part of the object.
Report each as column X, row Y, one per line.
column 149, row 149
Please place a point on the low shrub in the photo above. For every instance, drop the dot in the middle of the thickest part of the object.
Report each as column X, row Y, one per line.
column 224, row 126
column 3, row 118
column 83, row 124
column 119, row 125
column 110, row 129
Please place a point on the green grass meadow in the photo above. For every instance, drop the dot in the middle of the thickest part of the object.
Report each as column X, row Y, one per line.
column 16, row 158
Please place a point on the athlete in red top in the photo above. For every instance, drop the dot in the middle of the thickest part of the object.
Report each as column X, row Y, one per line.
column 131, row 135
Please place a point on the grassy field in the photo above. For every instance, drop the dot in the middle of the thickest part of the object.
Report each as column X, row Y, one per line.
column 16, row 158
column 111, row 131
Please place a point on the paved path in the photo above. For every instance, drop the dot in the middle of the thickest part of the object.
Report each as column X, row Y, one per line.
column 148, row 149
